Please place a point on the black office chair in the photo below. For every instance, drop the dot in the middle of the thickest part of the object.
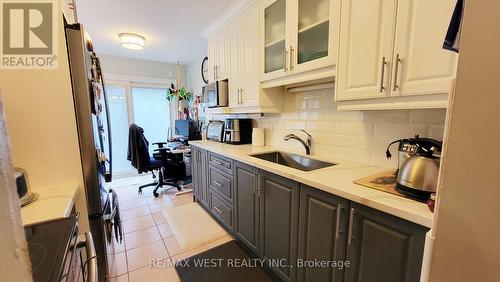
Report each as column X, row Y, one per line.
column 162, row 161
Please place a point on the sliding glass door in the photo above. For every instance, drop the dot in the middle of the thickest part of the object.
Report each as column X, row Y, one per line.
column 152, row 113
column 144, row 105
column 118, row 111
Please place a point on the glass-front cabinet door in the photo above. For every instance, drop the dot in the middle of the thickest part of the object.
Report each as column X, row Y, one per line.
column 315, row 30
column 275, row 53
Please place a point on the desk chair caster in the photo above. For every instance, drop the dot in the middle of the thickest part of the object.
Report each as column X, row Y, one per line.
column 159, row 184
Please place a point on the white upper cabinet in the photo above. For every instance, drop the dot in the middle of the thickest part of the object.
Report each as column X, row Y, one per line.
column 212, row 58
column 393, row 50
column 313, row 25
column 218, row 56
column 242, row 65
column 366, row 38
column 245, row 93
column 249, row 45
column 421, row 65
column 235, row 63
column 276, row 41
column 298, row 36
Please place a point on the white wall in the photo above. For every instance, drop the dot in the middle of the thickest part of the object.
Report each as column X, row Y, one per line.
column 467, row 245
column 41, row 124
column 352, row 135
column 194, row 80
column 141, row 68
column 14, row 262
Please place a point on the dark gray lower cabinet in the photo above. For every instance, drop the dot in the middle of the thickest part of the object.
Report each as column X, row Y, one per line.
column 279, row 214
column 322, row 239
column 194, row 172
column 382, row 247
column 246, row 179
column 290, row 226
column 199, row 171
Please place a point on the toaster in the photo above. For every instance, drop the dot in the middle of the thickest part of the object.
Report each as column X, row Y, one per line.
column 215, row 130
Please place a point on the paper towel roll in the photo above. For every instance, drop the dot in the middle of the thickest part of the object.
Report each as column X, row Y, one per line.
column 258, row 137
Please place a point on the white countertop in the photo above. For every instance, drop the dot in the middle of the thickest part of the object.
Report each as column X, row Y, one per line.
column 337, row 180
column 55, row 202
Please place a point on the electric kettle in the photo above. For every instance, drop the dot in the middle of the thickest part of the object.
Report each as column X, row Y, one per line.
column 417, row 177
column 418, row 166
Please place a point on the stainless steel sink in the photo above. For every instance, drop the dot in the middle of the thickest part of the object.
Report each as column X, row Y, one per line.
column 293, row 160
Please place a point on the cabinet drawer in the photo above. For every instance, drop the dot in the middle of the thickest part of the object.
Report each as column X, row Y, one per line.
column 221, row 184
column 221, row 163
column 221, row 210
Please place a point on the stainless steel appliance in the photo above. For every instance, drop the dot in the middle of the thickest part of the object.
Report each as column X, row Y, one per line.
column 57, row 253
column 418, row 166
column 93, row 124
column 238, row 131
column 418, row 175
column 26, row 196
column 216, row 94
column 215, row 130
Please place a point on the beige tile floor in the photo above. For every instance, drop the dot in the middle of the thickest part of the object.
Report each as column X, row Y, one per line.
column 147, row 234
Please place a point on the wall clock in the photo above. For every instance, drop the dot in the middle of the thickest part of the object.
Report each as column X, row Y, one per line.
column 204, row 70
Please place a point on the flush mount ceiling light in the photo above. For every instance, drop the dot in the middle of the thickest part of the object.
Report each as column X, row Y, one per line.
column 132, row 41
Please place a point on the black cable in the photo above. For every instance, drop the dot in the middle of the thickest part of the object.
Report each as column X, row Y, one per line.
column 388, row 154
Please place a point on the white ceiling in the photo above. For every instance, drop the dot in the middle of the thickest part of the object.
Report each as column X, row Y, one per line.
column 172, row 27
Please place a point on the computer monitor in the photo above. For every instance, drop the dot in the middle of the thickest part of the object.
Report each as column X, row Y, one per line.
column 187, row 128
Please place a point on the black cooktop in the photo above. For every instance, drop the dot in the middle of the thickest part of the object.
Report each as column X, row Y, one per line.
column 49, row 246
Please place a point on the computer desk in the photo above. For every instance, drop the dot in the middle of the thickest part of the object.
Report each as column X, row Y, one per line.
column 183, row 151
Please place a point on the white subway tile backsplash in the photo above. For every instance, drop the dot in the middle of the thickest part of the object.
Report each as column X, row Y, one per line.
column 395, row 116
column 428, row 116
column 347, row 116
column 436, row 132
column 335, row 140
column 355, row 128
column 309, row 115
column 349, row 135
column 400, row 130
column 321, row 126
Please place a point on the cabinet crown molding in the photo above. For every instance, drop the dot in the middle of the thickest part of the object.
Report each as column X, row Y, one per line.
column 238, row 7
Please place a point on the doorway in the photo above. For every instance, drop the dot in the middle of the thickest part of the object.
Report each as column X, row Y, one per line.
column 143, row 104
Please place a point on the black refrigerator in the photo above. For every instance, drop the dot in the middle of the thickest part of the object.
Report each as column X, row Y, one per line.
column 94, row 135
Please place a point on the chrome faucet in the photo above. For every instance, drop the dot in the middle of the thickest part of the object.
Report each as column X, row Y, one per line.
column 307, row 144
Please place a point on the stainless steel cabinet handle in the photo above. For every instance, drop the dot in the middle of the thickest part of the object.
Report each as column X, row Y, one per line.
column 257, row 174
column 92, row 274
column 216, row 162
column 291, row 58
column 337, row 227
column 351, row 224
column 217, row 183
column 384, row 62
column 217, row 209
column 241, row 96
column 285, row 54
column 396, row 67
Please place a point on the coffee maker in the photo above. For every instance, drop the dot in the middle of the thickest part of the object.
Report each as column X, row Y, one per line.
column 418, row 166
column 238, row 131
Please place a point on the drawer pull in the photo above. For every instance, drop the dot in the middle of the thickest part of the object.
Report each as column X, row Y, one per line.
column 396, row 62
column 382, row 74
column 351, row 224
column 217, row 183
column 218, row 210
column 216, row 162
column 337, row 227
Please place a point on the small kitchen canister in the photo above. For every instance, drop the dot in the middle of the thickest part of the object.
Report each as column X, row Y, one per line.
column 258, row 137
